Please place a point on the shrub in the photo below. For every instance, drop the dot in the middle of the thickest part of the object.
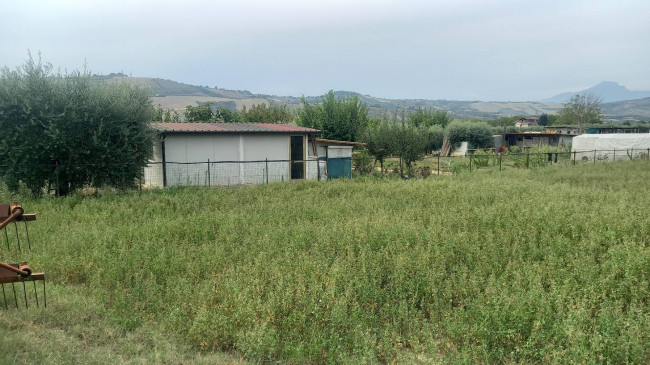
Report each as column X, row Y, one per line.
column 478, row 134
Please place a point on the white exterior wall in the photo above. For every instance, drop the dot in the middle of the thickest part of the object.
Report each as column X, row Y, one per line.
column 627, row 146
column 235, row 159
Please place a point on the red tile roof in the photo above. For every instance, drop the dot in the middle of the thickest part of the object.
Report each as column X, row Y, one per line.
column 231, row 128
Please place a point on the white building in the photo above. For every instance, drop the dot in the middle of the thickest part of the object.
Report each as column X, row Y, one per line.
column 212, row 154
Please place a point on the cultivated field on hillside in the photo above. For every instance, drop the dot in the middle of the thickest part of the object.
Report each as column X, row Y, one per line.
column 539, row 265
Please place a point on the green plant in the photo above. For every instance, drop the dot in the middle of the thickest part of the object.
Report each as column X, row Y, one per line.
column 481, row 268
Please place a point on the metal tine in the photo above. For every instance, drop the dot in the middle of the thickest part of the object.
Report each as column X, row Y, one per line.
column 4, row 296
column 6, row 238
column 15, row 296
column 17, row 237
column 25, row 294
column 29, row 243
column 36, row 293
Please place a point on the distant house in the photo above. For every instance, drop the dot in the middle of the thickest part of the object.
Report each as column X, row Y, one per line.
column 527, row 122
column 238, row 153
column 563, row 129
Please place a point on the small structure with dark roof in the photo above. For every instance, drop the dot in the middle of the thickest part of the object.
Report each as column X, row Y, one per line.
column 526, row 140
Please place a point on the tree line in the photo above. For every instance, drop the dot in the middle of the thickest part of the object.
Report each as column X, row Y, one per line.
column 208, row 112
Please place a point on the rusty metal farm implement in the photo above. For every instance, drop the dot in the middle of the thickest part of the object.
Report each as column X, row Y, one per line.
column 17, row 273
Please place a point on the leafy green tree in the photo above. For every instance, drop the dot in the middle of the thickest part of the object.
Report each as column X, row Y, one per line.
column 310, row 115
column 199, row 113
column 409, row 143
column 479, row 134
column 171, row 116
column 582, row 110
column 543, row 120
column 427, row 117
column 71, row 129
column 378, row 140
column 266, row 114
column 341, row 119
column 226, row 115
column 164, row 115
column 435, row 138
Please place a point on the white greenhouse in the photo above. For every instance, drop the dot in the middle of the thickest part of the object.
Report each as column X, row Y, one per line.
column 613, row 146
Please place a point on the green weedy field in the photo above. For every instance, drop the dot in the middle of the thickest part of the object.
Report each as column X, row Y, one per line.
column 546, row 265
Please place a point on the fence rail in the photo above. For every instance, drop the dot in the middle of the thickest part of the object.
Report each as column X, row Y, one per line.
column 229, row 173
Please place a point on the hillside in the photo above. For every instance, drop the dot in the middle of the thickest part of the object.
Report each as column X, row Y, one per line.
column 608, row 91
column 176, row 96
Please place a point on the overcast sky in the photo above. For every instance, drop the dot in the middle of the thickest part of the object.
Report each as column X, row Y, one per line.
column 456, row 49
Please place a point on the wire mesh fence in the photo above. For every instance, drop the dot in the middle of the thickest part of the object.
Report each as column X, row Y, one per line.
column 233, row 173
column 477, row 161
column 229, row 173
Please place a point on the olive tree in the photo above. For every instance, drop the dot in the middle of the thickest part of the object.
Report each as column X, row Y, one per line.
column 71, row 129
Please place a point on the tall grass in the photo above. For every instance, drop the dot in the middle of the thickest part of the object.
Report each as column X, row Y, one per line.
column 547, row 265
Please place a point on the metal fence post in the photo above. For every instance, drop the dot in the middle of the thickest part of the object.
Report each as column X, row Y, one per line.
column 470, row 162
column 632, row 154
column 574, row 157
column 266, row 168
column 614, row 155
column 209, row 182
column 527, row 159
column 648, row 155
column 594, row 157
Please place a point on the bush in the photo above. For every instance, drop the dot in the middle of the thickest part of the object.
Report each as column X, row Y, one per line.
column 478, row 134
column 68, row 128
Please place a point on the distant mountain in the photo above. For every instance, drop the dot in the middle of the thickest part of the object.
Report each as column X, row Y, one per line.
column 607, row 90
column 628, row 110
column 176, row 96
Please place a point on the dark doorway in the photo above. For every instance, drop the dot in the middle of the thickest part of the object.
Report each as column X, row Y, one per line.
column 297, row 153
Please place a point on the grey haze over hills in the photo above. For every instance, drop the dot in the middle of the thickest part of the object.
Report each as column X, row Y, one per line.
column 176, row 96
column 608, row 91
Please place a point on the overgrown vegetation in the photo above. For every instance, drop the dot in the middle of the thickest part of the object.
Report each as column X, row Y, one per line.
column 519, row 267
